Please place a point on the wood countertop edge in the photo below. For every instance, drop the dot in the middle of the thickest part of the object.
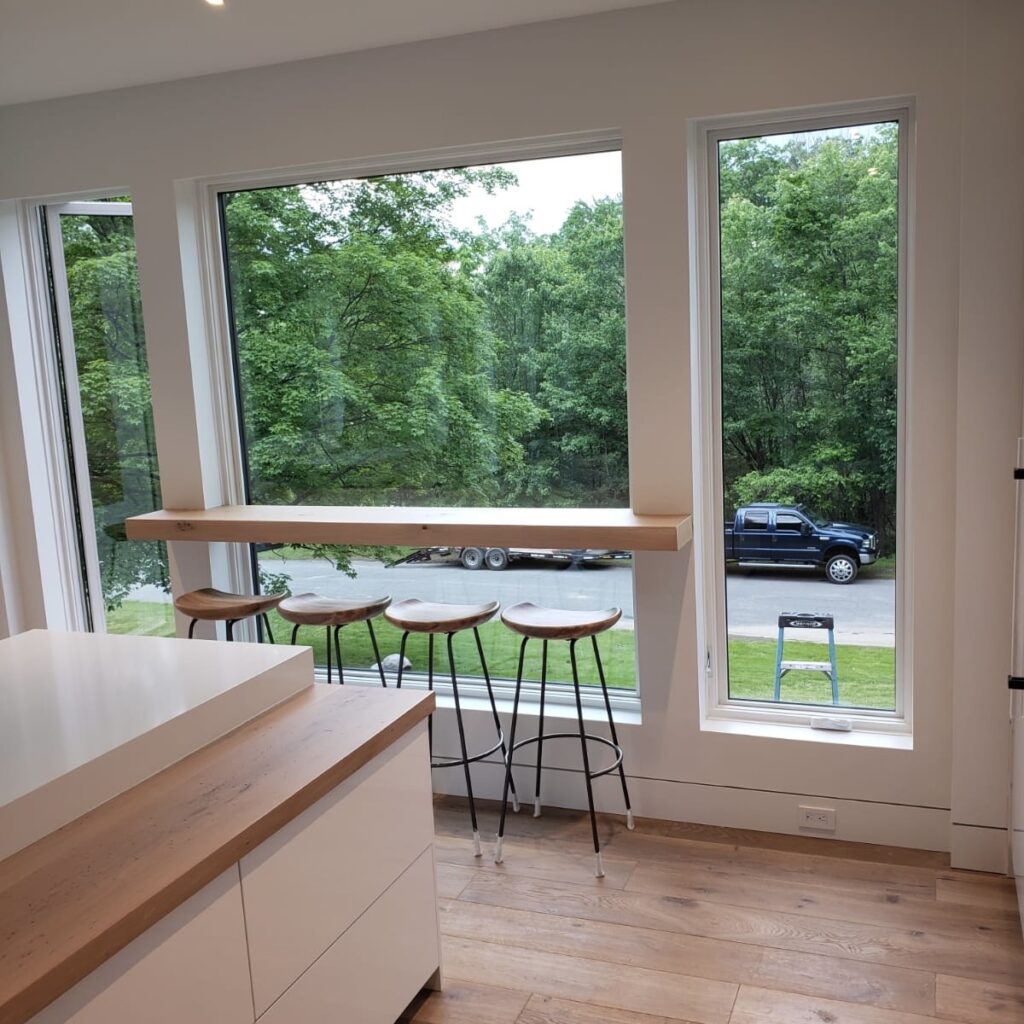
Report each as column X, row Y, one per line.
column 20, row 1000
column 619, row 528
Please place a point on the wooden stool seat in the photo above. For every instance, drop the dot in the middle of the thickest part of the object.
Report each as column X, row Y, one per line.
column 312, row 610
column 219, row 606
column 416, row 616
column 532, row 620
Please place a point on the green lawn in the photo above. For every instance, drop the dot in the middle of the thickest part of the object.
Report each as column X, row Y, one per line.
column 866, row 674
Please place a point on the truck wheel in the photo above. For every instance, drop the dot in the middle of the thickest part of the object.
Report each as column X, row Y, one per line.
column 496, row 559
column 472, row 558
column 841, row 568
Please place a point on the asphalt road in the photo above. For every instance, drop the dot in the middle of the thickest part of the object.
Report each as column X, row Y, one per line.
column 864, row 611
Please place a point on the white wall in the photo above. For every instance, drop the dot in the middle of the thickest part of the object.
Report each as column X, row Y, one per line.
column 646, row 72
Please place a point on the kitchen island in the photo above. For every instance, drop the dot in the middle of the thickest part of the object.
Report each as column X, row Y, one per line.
column 281, row 869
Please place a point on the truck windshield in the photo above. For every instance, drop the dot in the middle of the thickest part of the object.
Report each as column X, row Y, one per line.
column 817, row 520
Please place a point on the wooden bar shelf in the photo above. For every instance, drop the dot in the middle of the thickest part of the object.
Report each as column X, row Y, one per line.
column 561, row 528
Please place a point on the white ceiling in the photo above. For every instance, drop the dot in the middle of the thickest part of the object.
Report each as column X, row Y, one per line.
column 51, row 48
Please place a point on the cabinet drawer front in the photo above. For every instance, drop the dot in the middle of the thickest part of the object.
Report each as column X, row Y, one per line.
column 190, row 966
column 305, row 885
column 371, row 974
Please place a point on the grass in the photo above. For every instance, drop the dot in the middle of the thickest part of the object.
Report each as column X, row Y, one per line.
column 866, row 674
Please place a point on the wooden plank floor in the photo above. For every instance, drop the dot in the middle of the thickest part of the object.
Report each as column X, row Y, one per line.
column 713, row 926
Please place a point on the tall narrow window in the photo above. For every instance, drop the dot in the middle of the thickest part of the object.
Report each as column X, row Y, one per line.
column 452, row 337
column 809, row 269
column 108, row 416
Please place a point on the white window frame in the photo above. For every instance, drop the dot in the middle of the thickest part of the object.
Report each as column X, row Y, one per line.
column 718, row 711
column 201, row 196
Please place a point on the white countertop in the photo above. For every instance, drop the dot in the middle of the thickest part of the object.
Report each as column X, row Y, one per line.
column 85, row 716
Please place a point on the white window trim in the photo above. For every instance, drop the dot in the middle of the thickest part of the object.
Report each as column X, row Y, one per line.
column 718, row 711
column 201, row 197
column 34, row 349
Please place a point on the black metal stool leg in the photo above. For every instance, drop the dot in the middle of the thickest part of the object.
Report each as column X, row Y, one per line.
column 266, row 623
column 376, row 653
column 430, row 686
column 328, row 631
column 498, row 853
column 337, row 655
column 230, row 629
column 295, row 633
column 540, row 726
column 192, row 628
column 401, row 658
column 494, row 712
column 465, row 753
column 630, row 824
column 599, row 867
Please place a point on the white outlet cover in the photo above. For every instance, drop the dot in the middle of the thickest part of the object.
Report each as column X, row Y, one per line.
column 819, row 819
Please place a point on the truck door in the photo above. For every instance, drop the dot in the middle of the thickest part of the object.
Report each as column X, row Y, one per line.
column 753, row 542
column 789, row 541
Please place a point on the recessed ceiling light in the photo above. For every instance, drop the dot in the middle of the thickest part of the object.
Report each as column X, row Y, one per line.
column 215, row 3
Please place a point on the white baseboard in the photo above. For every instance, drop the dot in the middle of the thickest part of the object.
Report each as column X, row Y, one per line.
column 921, row 828
column 979, row 849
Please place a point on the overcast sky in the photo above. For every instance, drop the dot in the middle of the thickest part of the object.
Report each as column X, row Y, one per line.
column 548, row 188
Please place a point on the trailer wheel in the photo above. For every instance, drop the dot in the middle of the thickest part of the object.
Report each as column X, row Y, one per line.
column 496, row 559
column 472, row 558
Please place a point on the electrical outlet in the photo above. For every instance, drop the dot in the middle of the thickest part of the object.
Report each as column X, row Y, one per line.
column 821, row 819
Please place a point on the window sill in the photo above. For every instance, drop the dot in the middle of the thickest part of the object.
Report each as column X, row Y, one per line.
column 559, row 702
column 799, row 732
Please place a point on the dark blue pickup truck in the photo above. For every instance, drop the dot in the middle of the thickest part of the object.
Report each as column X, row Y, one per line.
column 793, row 535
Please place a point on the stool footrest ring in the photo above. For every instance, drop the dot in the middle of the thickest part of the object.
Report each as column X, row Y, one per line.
column 575, row 736
column 451, row 763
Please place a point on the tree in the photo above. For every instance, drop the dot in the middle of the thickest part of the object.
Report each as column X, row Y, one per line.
column 809, row 323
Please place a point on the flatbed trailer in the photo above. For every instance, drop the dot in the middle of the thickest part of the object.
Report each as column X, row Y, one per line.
column 497, row 559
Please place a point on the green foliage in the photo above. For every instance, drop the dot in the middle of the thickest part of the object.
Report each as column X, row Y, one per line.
column 809, row 323
column 113, row 389
column 388, row 358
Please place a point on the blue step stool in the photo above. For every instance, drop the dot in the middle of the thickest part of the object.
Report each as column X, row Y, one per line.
column 806, row 620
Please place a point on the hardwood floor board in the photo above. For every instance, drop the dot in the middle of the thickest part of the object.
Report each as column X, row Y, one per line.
column 763, row 1006
column 537, row 860
column 452, row 878
column 968, row 955
column 660, row 994
column 463, row 1002
column 568, row 823
column 978, row 1002
column 811, row 974
column 834, row 872
column 547, row 1010
column 451, row 817
column 977, row 890
column 867, row 907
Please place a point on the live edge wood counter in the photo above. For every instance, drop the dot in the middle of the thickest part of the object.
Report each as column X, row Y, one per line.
column 73, row 899
column 571, row 528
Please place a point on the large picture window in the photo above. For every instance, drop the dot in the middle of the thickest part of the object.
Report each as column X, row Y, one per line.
column 806, row 228
column 449, row 337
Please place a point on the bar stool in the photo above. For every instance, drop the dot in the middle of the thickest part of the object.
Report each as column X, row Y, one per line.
column 210, row 605
column 533, row 622
column 432, row 618
column 334, row 613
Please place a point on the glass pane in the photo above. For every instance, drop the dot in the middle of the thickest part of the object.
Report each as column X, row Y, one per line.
column 809, row 340
column 113, row 391
column 452, row 337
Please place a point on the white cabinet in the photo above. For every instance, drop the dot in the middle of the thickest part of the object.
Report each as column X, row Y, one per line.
column 190, row 966
column 331, row 919
column 370, row 974
column 308, row 883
